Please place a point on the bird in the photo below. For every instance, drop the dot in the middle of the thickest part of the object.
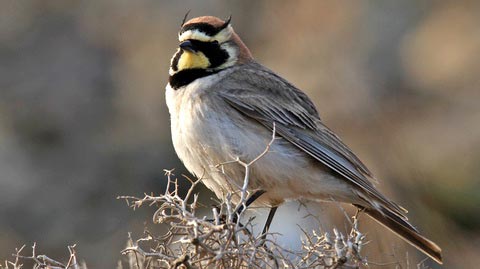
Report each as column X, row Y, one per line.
column 224, row 106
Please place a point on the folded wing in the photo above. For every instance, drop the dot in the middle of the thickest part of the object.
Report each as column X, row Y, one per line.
column 250, row 91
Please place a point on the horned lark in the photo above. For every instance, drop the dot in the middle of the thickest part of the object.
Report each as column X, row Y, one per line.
column 224, row 105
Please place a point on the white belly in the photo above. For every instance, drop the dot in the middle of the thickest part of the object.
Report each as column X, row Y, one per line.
column 207, row 133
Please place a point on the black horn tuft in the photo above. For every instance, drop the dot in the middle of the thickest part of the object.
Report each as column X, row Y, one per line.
column 227, row 22
column 185, row 17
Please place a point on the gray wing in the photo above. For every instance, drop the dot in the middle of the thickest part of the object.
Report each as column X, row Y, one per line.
column 250, row 90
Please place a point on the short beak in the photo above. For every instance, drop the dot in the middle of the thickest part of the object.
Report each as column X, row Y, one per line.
column 187, row 46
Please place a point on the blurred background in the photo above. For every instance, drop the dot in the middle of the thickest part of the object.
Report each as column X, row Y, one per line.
column 83, row 116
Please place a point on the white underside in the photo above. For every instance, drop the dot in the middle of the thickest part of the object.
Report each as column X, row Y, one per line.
column 207, row 132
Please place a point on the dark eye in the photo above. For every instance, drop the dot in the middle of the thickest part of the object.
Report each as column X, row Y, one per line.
column 215, row 42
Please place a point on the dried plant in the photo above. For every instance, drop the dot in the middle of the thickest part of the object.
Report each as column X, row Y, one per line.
column 222, row 242
column 43, row 261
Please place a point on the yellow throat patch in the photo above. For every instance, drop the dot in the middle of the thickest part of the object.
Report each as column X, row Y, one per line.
column 190, row 60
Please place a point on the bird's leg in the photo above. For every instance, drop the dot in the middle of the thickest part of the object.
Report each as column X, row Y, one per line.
column 241, row 208
column 250, row 200
column 265, row 231
column 268, row 222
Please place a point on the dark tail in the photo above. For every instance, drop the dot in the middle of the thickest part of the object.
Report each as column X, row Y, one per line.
column 405, row 230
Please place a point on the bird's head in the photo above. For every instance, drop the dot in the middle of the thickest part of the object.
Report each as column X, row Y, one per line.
column 208, row 44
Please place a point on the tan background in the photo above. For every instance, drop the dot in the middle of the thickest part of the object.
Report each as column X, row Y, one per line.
column 83, row 116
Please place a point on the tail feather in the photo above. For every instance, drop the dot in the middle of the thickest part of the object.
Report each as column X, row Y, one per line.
column 405, row 230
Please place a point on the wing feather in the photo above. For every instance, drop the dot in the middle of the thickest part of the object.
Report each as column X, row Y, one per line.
column 250, row 90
